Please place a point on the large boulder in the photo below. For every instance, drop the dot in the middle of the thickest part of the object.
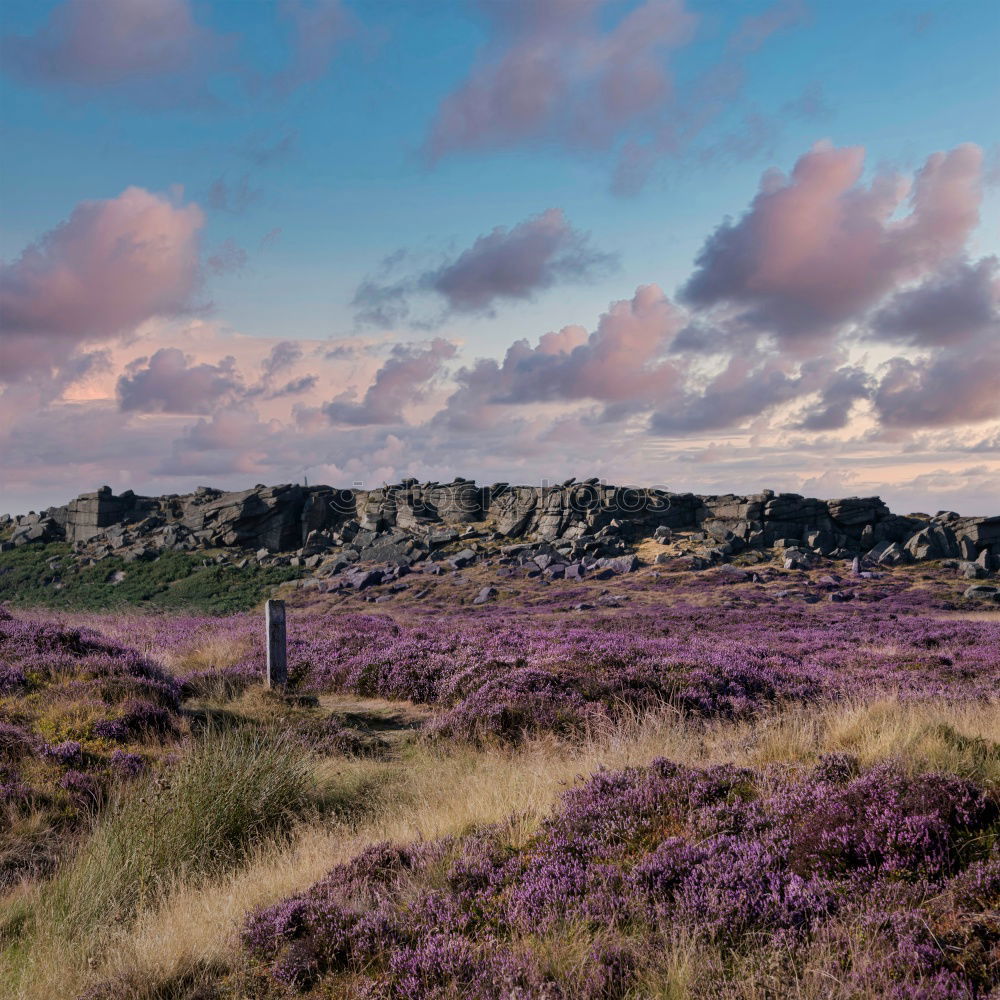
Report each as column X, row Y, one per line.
column 889, row 554
column 91, row 513
column 513, row 510
column 937, row 541
column 263, row 517
column 33, row 528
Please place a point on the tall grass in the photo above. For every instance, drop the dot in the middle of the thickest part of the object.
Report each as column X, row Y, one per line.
column 234, row 788
column 231, row 791
column 210, row 868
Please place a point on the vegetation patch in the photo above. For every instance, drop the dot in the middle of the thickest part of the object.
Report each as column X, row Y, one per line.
column 50, row 576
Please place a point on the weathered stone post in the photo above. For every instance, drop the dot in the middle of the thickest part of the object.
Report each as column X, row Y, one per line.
column 277, row 662
column 855, row 566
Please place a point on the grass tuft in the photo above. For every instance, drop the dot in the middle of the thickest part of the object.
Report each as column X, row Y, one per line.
column 233, row 789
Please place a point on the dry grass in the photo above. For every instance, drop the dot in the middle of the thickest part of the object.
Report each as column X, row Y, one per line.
column 432, row 792
column 212, row 651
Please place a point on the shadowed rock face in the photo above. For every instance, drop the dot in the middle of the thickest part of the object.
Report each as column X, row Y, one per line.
column 405, row 522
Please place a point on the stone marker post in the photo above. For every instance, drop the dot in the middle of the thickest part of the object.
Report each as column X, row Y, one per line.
column 277, row 663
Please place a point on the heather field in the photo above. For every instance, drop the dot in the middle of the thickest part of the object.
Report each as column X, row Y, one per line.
column 735, row 783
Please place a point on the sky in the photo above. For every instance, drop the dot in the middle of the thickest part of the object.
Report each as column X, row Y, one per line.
column 706, row 245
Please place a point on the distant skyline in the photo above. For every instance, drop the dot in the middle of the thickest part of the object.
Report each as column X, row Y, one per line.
column 715, row 246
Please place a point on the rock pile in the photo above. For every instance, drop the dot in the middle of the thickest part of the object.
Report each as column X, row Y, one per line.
column 570, row 530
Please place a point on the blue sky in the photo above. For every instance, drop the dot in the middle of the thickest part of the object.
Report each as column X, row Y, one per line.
column 349, row 182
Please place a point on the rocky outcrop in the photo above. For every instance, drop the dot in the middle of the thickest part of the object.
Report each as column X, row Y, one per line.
column 571, row 528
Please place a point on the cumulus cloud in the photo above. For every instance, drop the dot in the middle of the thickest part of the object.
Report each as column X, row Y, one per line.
column 405, row 378
column 955, row 317
column 753, row 380
column 954, row 305
column 517, row 263
column 618, row 364
column 554, row 71
column 170, row 382
column 745, row 388
column 112, row 265
column 817, row 248
column 503, row 265
column 953, row 387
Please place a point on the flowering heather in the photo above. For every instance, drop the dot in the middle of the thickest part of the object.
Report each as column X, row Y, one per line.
column 737, row 858
column 501, row 672
column 71, row 700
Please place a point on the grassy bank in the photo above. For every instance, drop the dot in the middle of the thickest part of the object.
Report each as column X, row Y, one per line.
column 48, row 576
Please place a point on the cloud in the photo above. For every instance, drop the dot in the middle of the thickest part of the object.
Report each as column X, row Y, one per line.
column 553, row 71
column 955, row 316
column 817, row 248
column 754, row 30
column 404, row 379
column 949, row 389
column 618, row 364
column 505, row 265
column 227, row 259
column 112, row 265
column 747, row 387
column 147, row 51
column 169, row 382
column 517, row 263
column 295, row 387
column 263, row 150
column 954, row 305
column 318, row 27
column 155, row 54
column 235, row 198
column 283, row 355
column 846, row 386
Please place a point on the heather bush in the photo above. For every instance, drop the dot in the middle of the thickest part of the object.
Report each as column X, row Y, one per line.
column 503, row 674
column 78, row 699
column 740, row 859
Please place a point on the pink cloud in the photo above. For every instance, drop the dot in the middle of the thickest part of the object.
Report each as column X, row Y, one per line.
column 152, row 50
column 955, row 315
column 817, row 248
column 619, row 363
column 169, row 382
column 404, row 379
column 950, row 388
column 112, row 265
column 553, row 71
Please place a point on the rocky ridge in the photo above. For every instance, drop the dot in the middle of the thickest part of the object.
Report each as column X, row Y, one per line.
column 355, row 538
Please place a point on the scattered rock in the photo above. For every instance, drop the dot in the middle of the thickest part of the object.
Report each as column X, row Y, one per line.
column 983, row 592
column 485, row 595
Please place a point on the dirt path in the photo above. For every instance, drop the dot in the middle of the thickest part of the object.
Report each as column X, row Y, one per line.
column 392, row 721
